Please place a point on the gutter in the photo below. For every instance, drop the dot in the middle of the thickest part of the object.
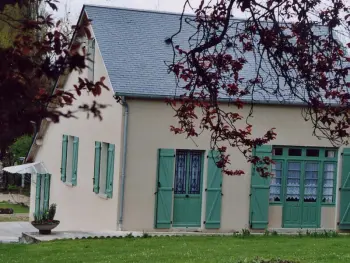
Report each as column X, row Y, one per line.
column 221, row 100
column 122, row 189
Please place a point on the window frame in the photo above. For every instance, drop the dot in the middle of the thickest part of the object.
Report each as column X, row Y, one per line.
column 188, row 156
column 321, row 160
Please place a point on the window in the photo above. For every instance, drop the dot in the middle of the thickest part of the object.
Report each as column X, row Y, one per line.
column 277, row 151
column 328, row 183
column 91, row 59
column 312, row 152
column 276, row 182
column 188, row 172
column 311, row 182
column 303, row 174
column 293, row 181
column 330, row 154
column 294, row 152
column 69, row 162
column 104, row 169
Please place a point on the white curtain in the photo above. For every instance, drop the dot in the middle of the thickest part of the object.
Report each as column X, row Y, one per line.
column 276, row 181
column 328, row 182
column 293, row 180
column 310, row 183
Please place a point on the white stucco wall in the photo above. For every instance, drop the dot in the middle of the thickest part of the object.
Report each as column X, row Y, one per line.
column 79, row 208
column 149, row 123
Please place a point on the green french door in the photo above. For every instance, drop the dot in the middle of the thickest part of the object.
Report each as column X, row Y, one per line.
column 302, row 205
column 187, row 189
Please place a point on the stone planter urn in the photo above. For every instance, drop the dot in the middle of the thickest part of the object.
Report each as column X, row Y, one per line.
column 45, row 227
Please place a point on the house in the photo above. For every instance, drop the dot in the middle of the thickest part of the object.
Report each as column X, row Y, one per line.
column 129, row 172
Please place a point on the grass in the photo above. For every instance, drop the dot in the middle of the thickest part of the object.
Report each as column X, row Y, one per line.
column 16, row 208
column 181, row 249
column 11, row 218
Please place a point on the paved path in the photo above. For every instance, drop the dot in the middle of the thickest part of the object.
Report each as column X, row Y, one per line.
column 11, row 231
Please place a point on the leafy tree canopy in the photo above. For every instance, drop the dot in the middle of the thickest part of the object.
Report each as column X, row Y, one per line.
column 298, row 49
column 40, row 53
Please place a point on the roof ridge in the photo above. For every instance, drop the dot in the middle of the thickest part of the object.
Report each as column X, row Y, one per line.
column 137, row 10
column 166, row 12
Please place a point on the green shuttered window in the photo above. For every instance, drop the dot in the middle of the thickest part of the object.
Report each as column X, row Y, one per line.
column 69, row 161
column 42, row 193
column 179, row 191
column 308, row 174
column 104, row 169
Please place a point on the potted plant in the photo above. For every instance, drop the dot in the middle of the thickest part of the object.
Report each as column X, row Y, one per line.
column 45, row 222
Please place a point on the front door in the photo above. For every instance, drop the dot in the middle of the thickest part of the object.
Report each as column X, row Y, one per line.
column 301, row 209
column 187, row 188
column 310, row 204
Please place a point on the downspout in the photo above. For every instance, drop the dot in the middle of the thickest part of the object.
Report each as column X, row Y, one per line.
column 122, row 189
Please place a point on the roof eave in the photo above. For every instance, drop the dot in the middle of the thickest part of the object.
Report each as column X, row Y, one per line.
column 163, row 97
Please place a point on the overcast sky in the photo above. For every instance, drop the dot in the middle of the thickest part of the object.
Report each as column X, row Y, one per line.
column 75, row 6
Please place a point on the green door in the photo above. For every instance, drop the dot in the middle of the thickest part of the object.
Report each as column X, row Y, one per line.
column 302, row 206
column 311, row 207
column 188, row 188
column 292, row 205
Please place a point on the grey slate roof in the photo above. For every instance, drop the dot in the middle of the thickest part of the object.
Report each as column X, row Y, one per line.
column 132, row 43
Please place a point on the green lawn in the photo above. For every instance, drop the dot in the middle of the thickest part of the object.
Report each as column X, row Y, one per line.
column 181, row 249
column 16, row 208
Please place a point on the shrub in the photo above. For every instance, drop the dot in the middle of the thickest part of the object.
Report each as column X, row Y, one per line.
column 6, row 211
column 47, row 216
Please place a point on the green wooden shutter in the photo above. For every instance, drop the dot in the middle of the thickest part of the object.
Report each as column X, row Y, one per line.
column 345, row 191
column 259, row 193
column 75, row 160
column 97, row 167
column 213, row 192
column 165, row 180
column 37, row 194
column 110, row 170
column 47, row 179
column 64, row 158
